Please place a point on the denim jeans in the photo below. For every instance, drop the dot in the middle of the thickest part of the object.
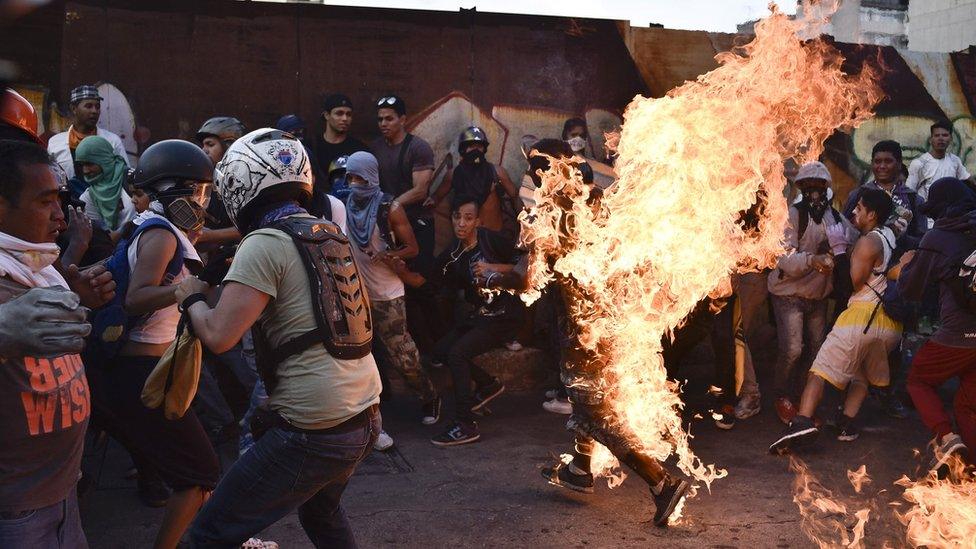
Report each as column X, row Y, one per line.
column 801, row 324
column 284, row 470
column 53, row 527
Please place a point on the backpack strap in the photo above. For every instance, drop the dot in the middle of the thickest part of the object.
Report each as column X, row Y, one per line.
column 383, row 222
column 402, row 156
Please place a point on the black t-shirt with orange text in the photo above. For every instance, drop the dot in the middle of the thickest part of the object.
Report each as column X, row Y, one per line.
column 44, row 410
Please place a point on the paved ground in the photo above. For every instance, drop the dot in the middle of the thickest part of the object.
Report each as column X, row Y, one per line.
column 490, row 494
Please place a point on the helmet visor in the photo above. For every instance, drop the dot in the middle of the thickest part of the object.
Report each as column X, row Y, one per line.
column 200, row 194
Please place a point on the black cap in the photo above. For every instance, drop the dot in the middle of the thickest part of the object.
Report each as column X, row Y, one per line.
column 335, row 100
column 392, row 102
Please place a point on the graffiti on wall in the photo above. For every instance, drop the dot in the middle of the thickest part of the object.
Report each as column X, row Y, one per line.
column 912, row 132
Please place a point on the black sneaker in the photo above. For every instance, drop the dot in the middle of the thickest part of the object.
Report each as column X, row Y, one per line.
column 667, row 501
column 457, row 434
column 801, row 430
column 431, row 411
column 153, row 493
column 943, row 452
column 846, row 430
column 560, row 475
column 486, row 394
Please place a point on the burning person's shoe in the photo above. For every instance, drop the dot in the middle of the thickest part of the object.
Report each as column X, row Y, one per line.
column 560, row 475
column 801, row 431
column 667, row 500
column 951, row 445
column 431, row 411
column 457, row 434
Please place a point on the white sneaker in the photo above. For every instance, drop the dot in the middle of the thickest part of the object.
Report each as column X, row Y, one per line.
column 383, row 442
column 255, row 543
column 557, row 406
column 513, row 345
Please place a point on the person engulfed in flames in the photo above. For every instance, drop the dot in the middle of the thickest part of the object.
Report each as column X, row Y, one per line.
column 581, row 369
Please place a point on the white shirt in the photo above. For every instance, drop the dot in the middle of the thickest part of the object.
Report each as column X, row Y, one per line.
column 338, row 213
column 57, row 147
column 126, row 214
column 382, row 284
column 926, row 169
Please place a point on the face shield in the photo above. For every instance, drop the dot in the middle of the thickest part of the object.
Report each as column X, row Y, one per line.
column 186, row 205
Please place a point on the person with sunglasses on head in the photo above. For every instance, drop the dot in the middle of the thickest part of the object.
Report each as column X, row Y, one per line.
column 406, row 165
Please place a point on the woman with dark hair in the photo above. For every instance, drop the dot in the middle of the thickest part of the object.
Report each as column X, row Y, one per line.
column 475, row 264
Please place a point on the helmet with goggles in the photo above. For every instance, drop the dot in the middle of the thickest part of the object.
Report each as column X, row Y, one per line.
column 178, row 175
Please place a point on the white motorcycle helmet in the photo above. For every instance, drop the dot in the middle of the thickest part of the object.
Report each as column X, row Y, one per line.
column 261, row 169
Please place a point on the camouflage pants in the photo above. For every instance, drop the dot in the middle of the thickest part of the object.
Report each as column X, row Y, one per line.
column 390, row 331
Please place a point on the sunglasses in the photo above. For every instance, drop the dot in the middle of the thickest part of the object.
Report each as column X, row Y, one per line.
column 386, row 101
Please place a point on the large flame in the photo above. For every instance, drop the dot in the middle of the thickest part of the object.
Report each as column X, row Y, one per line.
column 942, row 512
column 672, row 229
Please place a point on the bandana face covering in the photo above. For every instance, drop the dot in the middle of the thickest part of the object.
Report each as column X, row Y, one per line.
column 473, row 156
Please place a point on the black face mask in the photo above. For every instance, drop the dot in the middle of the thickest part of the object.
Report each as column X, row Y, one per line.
column 473, row 156
column 816, row 202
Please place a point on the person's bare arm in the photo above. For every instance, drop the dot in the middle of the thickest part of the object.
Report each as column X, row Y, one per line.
column 220, row 328
column 219, row 236
column 400, row 226
column 867, row 252
column 418, row 193
column 442, row 190
column 145, row 295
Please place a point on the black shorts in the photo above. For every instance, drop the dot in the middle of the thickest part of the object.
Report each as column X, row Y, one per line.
column 178, row 449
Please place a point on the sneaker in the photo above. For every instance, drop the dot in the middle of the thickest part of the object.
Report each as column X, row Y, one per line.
column 950, row 446
column 486, row 394
column 801, row 430
column 457, row 434
column 513, row 345
column 383, row 442
column 667, row 501
column 747, row 407
column 558, row 406
column 560, row 475
column 255, row 543
column 431, row 411
column 153, row 493
column 785, row 410
column 725, row 417
column 846, row 430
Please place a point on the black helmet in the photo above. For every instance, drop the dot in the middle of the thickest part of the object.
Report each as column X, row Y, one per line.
column 226, row 128
column 172, row 160
column 470, row 135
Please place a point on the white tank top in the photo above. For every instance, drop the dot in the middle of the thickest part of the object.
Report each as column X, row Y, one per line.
column 160, row 326
column 382, row 284
column 878, row 281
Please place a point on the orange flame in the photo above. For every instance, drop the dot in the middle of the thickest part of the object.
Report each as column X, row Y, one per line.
column 859, row 478
column 825, row 519
column 671, row 230
column 943, row 512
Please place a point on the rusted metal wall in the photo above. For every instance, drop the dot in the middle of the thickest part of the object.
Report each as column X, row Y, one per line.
column 181, row 62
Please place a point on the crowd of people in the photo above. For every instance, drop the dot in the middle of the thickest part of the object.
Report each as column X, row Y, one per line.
column 305, row 267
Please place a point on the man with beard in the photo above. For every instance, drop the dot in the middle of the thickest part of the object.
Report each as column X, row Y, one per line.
column 489, row 184
column 335, row 140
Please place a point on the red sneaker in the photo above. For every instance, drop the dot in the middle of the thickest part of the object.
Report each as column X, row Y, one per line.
column 785, row 410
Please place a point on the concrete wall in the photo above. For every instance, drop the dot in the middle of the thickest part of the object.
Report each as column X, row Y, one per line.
column 941, row 25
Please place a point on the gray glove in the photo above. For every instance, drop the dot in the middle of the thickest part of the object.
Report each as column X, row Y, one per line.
column 43, row 322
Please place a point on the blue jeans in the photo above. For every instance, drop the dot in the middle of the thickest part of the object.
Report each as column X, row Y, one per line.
column 55, row 526
column 288, row 469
